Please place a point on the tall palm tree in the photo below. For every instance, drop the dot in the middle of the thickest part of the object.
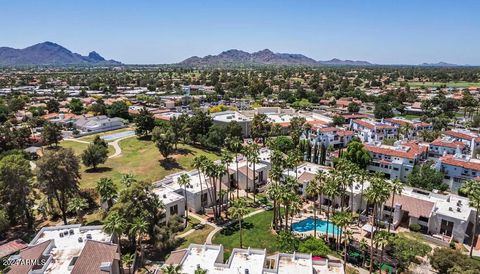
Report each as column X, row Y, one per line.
column 227, row 158
column 362, row 174
column 237, row 211
column 138, row 229
column 246, row 153
column 77, row 205
column 331, row 191
column 184, row 181
column 115, row 224
column 273, row 192
column 127, row 179
column 172, row 269
column 198, row 163
column 288, row 194
column 363, row 248
column 472, row 189
column 314, row 189
column 377, row 194
column 396, row 188
column 382, row 238
column 235, row 146
column 107, row 190
column 254, row 159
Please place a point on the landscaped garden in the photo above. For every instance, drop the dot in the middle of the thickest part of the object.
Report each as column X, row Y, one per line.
column 140, row 158
column 257, row 233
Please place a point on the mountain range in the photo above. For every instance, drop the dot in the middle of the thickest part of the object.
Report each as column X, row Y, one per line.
column 263, row 57
column 48, row 53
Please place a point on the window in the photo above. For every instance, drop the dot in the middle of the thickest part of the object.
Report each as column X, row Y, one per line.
column 423, row 219
column 174, row 210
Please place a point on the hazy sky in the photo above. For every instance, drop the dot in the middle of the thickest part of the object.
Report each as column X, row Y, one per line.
column 149, row 31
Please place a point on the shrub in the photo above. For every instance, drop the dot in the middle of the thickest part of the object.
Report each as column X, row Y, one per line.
column 415, row 227
column 317, row 247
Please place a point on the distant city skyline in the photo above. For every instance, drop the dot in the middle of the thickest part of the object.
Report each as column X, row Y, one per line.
column 162, row 32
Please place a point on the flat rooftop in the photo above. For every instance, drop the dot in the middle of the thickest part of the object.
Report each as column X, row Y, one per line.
column 294, row 263
column 167, row 195
column 67, row 243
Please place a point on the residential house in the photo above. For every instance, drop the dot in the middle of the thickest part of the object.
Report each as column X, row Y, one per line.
column 370, row 131
column 457, row 169
column 446, row 145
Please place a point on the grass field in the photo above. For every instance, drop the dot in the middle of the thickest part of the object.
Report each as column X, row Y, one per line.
column 411, row 116
column 197, row 237
column 90, row 138
column 141, row 158
column 437, row 84
column 78, row 148
column 256, row 234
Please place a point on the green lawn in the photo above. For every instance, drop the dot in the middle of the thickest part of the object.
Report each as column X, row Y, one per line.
column 78, row 148
column 256, row 234
column 197, row 237
column 411, row 116
column 141, row 158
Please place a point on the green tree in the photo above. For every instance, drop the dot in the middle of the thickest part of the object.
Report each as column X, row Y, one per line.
column 260, row 127
column 115, row 224
column 287, row 242
column 446, row 260
column 405, row 250
column 172, row 269
column 58, row 177
column 138, row 229
column 184, row 181
column 118, row 109
column 338, row 120
column 53, row 106
column 16, row 188
column 426, row 177
column 296, row 129
column 314, row 246
column 144, row 122
column 396, row 188
column 472, row 189
column 51, row 134
column 94, row 155
column 163, row 140
column 357, row 154
column 107, row 191
column 237, row 211
column 127, row 179
column 77, row 205
column 383, row 110
column 353, row 107
column 75, row 106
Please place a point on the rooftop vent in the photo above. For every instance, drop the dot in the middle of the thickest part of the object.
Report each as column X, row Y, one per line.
column 89, row 236
column 459, row 209
column 60, row 234
column 80, row 239
column 164, row 196
column 450, row 209
column 106, row 266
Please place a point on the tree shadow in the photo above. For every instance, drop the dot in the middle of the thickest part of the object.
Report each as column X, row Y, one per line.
column 235, row 227
column 96, row 222
column 170, row 163
column 99, row 169
column 184, row 151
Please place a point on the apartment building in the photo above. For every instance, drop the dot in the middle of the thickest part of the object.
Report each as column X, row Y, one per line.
column 304, row 174
column 328, row 136
column 396, row 161
column 71, row 249
column 469, row 138
column 413, row 126
column 370, row 131
column 457, row 169
column 446, row 145
column 249, row 261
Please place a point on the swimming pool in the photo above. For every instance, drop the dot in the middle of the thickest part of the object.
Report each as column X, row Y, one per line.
column 118, row 135
column 308, row 225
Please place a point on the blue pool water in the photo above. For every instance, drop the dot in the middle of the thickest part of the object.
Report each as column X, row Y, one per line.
column 308, row 225
column 118, row 135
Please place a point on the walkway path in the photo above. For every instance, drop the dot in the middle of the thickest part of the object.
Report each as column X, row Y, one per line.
column 219, row 228
column 202, row 221
column 116, row 146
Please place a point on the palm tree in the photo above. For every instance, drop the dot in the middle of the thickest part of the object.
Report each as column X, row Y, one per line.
column 396, row 187
column 137, row 230
column 77, row 205
column 246, row 153
column 288, row 194
column 363, row 247
column 115, row 224
column 128, row 260
column 362, row 174
column 314, row 189
column 198, row 163
column 227, row 158
column 235, row 146
column 331, row 191
column 172, row 269
column 254, row 153
column 382, row 238
column 274, row 192
column 405, row 130
column 107, row 190
column 377, row 194
column 127, row 179
column 472, row 189
column 237, row 211
column 184, row 181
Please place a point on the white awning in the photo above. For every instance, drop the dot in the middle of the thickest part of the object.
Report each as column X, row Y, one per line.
column 368, row 228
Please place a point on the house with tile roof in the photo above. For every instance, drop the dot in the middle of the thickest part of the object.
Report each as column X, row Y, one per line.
column 68, row 249
column 328, row 136
column 370, row 131
column 396, row 161
column 446, row 145
column 457, row 169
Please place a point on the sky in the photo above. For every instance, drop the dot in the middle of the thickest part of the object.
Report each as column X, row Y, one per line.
column 158, row 32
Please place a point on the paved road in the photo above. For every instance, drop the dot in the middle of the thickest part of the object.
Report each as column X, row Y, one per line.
column 116, row 146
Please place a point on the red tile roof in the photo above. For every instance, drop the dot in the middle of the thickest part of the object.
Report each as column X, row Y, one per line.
column 370, row 125
column 32, row 253
column 11, row 247
column 452, row 161
column 459, row 135
column 412, row 153
column 306, row 177
column 442, row 143
column 93, row 255
column 415, row 207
